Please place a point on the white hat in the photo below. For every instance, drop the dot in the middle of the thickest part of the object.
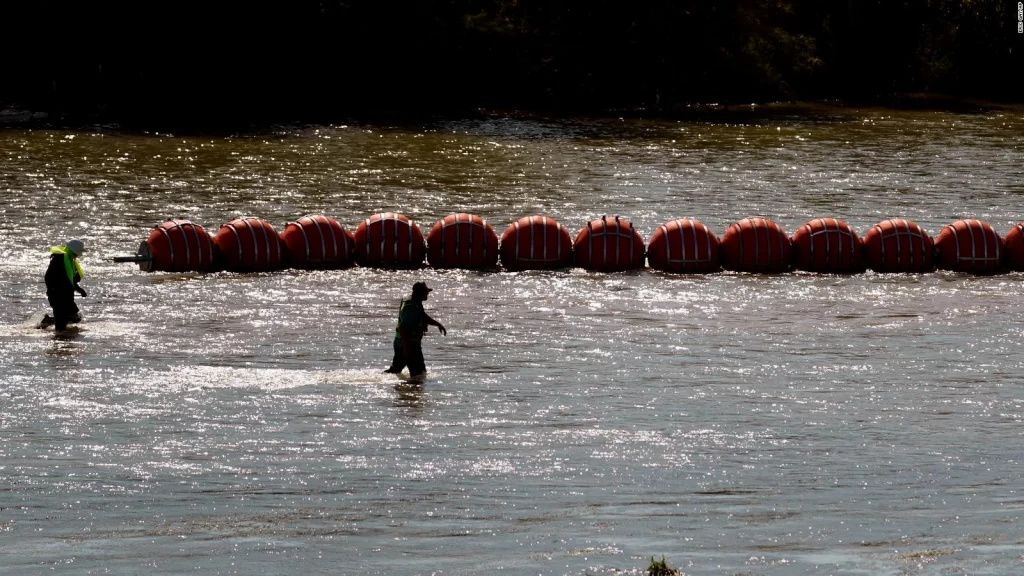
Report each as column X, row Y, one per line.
column 76, row 246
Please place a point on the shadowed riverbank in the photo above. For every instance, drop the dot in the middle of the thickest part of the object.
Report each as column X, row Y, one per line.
column 190, row 67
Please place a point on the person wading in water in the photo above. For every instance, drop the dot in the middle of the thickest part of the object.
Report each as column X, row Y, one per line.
column 412, row 325
column 62, row 278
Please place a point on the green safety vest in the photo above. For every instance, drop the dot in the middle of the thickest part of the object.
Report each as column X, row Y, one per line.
column 398, row 333
column 71, row 265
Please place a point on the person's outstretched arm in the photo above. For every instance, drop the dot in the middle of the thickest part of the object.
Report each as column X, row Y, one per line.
column 432, row 322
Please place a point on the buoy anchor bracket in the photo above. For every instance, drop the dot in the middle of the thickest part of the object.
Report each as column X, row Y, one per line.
column 143, row 256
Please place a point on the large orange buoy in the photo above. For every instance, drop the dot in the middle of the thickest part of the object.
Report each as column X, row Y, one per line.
column 536, row 243
column 827, row 245
column 755, row 245
column 898, row 245
column 609, row 245
column 684, row 245
column 462, row 241
column 250, row 245
column 969, row 246
column 1014, row 244
column 318, row 242
column 178, row 246
column 389, row 240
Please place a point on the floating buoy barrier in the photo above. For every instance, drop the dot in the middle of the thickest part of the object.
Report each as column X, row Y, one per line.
column 462, row 241
column 609, row 245
column 898, row 245
column 684, row 245
column 1014, row 244
column 536, row 243
column 389, row 240
column 250, row 245
column 827, row 245
column 175, row 246
column 755, row 245
column 969, row 246
column 318, row 242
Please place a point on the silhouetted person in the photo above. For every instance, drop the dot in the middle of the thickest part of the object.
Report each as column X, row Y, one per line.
column 62, row 278
column 412, row 325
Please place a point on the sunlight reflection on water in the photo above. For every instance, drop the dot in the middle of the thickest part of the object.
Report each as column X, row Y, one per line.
column 579, row 422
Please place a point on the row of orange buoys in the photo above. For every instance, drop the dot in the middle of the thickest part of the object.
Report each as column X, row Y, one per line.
column 610, row 244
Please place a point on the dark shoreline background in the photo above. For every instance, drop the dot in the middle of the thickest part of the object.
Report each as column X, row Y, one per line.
column 228, row 65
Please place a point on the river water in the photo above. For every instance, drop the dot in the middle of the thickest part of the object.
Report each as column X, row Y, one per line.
column 573, row 422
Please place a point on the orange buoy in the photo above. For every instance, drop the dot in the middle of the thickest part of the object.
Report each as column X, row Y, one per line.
column 827, row 245
column 389, row 240
column 898, row 245
column 536, row 243
column 250, row 245
column 1014, row 244
column 969, row 246
column 318, row 242
column 684, row 245
column 608, row 245
column 755, row 245
column 462, row 241
column 178, row 246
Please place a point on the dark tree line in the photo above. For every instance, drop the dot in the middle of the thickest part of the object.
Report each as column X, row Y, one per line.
column 166, row 61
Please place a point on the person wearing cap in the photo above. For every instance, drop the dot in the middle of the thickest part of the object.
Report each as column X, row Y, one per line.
column 412, row 325
column 62, row 278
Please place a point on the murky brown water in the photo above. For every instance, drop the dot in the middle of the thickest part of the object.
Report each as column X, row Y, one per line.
column 574, row 423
